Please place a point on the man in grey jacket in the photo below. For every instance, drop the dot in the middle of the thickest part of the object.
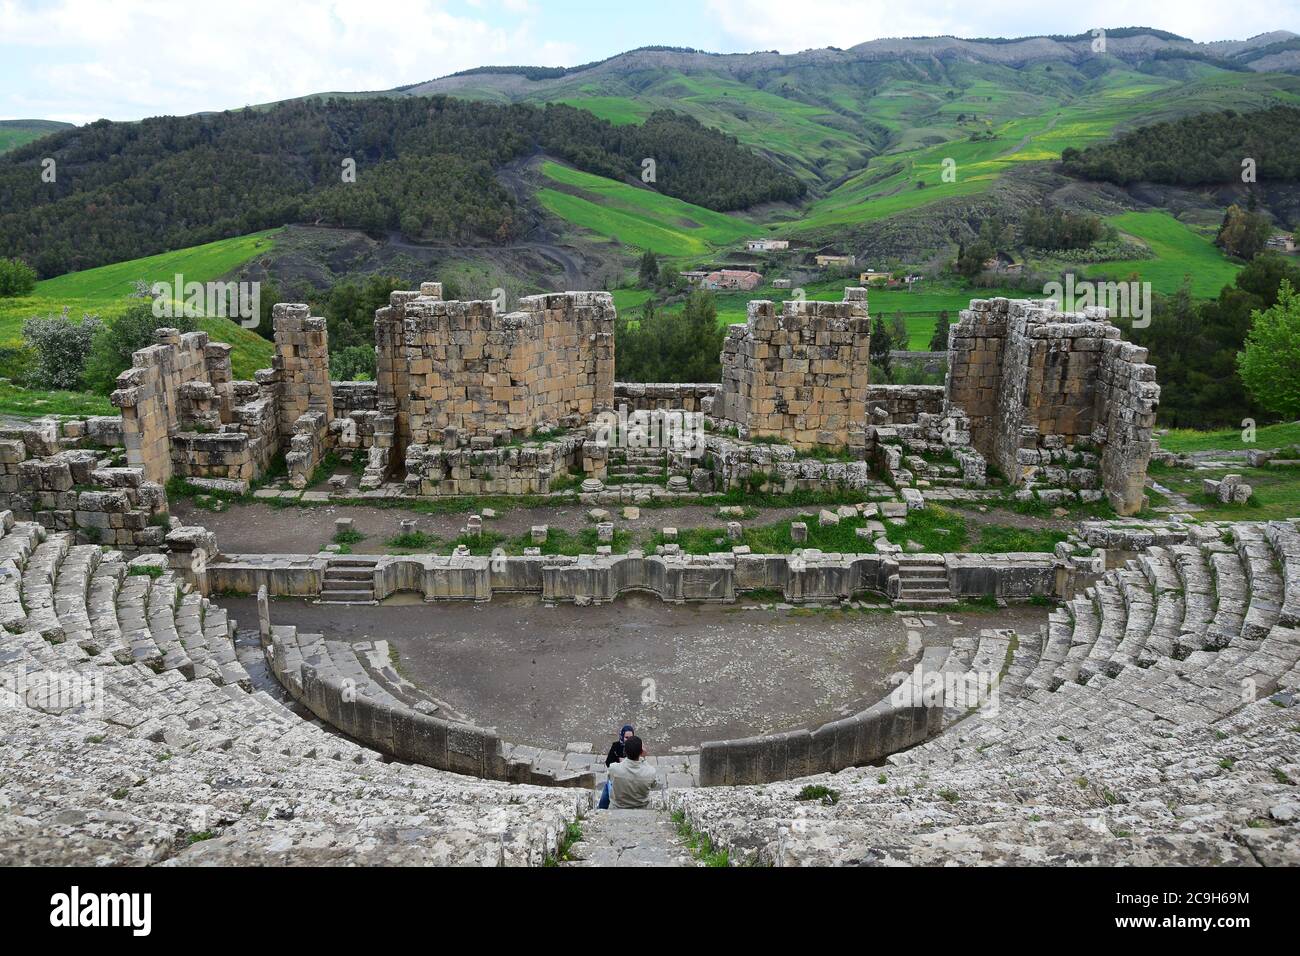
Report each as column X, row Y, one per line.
column 631, row 779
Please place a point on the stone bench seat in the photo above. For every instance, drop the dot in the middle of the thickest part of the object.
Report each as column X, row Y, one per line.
column 1263, row 578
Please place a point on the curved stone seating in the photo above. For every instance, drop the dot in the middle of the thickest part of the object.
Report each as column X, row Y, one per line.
column 330, row 680
column 1138, row 729
column 117, row 758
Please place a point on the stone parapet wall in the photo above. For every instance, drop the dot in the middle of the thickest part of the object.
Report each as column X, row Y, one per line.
column 800, row 373
column 648, row 396
column 807, row 576
column 867, row 736
column 903, row 404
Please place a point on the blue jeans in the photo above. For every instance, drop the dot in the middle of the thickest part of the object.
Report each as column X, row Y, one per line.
column 604, row 798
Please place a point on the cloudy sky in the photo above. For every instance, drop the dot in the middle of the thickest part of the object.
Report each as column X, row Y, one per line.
column 79, row 60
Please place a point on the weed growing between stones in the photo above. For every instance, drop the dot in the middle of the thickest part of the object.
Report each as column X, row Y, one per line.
column 698, row 843
column 819, row 793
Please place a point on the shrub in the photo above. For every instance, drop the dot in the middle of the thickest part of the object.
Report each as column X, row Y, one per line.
column 120, row 338
column 60, row 346
column 16, row 278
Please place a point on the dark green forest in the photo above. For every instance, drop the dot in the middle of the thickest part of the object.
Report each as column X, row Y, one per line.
column 424, row 167
column 1195, row 344
column 1201, row 149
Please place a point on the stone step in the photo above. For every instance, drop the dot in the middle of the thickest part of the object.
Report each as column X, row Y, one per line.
column 347, row 597
column 629, row 838
column 346, row 584
column 359, row 573
column 353, row 560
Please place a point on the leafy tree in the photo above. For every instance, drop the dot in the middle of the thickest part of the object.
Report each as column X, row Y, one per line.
column 670, row 278
column 1270, row 363
column 117, row 340
column 1243, row 234
column 355, row 363
column 16, row 278
column 881, row 345
column 60, row 347
column 898, row 333
column 942, row 328
column 350, row 313
column 665, row 346
column 649, row 269
column 971, row 259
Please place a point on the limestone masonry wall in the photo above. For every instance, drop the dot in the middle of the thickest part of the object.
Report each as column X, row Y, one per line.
column 182, row 383
column 1055, row 399
column 478, row 371
column 801, row 373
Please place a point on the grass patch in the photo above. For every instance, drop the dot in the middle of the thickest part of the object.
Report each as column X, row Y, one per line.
column 698, row 843
column 147, row 570
column 413, row 541
column 1186, row 440
column 815, row 791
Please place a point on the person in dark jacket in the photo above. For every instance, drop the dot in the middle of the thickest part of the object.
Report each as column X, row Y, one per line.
column 614, row 756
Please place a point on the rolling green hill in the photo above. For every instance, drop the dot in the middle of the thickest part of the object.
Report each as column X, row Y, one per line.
column 104, row 292
column 15, row 133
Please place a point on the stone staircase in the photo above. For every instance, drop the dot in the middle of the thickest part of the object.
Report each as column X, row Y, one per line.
column 635, row 465
column 629, row 838
column 349, row 579
column 922, row 582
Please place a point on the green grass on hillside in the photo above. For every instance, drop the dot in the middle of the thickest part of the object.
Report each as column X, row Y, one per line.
column 103, row 292
column 15, row 133
column 639, row 217
column 1180, row 254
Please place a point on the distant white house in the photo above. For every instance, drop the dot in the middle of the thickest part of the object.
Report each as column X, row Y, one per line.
column 767, row 245
column 824, row 260
column 1282, row 242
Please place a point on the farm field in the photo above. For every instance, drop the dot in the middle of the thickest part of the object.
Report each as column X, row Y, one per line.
column 638, row 217
column 1181, row 253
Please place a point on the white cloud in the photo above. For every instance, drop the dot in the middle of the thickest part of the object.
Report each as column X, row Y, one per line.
column 135, row 58
column 788, row 27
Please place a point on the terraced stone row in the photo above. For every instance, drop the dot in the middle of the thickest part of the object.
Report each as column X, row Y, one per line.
column 133, row 735
column 1153, row 719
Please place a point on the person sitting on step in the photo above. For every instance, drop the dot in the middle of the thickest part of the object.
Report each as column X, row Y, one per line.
column 631, row 779
column 614, row 756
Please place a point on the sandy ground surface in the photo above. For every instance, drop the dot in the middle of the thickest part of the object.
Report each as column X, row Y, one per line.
column 552, row 675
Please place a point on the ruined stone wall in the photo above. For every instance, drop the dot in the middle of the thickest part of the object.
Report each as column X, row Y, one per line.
column 1054, row 399
column 481, row 372
column 651, row 396
column 1124, row 417
column 180, row 383
column 799, row 374
column 903, row 404
column 302, row 366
